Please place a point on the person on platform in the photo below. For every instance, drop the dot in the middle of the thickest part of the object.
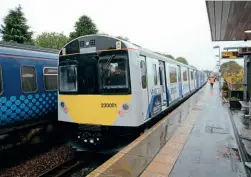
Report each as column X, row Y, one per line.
column 212, row 80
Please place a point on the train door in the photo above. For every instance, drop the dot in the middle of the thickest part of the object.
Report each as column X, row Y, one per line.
column 179, row 81
column 162, row 83
column 155, row 101
column 144, row 93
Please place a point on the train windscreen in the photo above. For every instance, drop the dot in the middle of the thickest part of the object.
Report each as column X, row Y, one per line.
column 113, row 74
column 68, row 78
column 96, row 73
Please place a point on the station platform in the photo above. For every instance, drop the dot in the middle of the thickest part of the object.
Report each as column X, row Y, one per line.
column 209, row 147
column 197, row 139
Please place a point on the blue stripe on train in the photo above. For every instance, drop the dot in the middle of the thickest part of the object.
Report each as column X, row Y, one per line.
column 15, row 109
column 155, row 102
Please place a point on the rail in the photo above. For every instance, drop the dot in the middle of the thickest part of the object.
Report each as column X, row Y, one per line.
column 62, row 169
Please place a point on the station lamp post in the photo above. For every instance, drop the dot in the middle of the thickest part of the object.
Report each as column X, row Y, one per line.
column 219, row 63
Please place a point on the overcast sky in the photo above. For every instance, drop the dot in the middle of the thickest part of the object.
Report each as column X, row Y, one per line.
column 179, row 28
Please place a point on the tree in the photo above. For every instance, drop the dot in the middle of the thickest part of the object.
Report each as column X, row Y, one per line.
column 51, row 40
column 84, row 26
column 231, row 67
column 15, row 28
column 123, row 38
column 233, row 73
column 102, row 33
column 182, row 60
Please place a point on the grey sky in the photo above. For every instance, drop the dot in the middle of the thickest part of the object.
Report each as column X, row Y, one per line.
column 179, row 28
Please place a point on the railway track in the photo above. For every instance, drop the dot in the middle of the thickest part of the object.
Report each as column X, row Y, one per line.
column 64, row 169
column 81, row 164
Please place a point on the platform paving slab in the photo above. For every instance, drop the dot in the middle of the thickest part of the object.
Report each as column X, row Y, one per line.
column 208, row 150
column 202, row 146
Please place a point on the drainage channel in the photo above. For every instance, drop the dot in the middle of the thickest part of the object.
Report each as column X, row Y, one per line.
column 243, row 155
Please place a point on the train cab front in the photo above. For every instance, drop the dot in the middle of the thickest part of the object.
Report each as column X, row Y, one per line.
column 94, row 85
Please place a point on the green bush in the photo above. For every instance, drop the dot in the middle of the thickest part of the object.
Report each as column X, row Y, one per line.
column 225, row 86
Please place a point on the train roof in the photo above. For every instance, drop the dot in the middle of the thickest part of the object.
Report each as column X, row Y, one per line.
column 111, row 42
column 27, row 50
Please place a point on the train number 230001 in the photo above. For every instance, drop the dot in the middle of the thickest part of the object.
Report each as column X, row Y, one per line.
column 108, row 105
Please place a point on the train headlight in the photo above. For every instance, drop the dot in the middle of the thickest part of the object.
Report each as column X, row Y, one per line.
column 125, row 107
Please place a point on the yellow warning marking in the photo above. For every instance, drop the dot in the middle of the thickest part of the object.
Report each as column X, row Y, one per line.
column 179, row 138
column 152, row 174
column 158, row 167
column 184, row 130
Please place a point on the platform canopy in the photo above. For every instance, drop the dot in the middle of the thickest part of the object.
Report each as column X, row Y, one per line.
column 229, row 20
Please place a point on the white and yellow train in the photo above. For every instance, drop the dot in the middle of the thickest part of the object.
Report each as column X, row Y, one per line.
column 110, row 85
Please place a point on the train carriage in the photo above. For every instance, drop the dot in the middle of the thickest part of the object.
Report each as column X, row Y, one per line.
column 28, row 87
column 107, row 82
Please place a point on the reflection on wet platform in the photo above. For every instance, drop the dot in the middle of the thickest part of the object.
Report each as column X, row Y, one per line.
column 196, row 139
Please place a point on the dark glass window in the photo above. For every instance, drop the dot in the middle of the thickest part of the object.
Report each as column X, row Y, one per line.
column 143, row 73
column 172, row 75
column 50, row 78
column 155, row 74
column 191, row 73
column 105, row 72
column 185, row 75
column 160, row 76
column 113, row 74
column 68, row 78
column 28, row 79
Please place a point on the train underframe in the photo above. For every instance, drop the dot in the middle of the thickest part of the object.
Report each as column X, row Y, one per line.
column 30, row 133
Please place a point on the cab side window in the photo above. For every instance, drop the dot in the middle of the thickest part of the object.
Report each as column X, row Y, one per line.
column 155, row 74
column 143, row 73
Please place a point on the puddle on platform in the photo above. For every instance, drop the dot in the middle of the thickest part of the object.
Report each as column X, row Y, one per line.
column 217, row 130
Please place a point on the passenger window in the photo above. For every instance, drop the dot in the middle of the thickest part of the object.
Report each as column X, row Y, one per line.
column 184, row 75
column 191, row 75
column 50, row 79
column 28, row 79
column 172, row 75
column 155, row 74
column 1, row 81
column 143, row 73
column 160, row 75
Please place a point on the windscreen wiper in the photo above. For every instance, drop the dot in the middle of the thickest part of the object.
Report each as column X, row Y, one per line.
column 107, row 63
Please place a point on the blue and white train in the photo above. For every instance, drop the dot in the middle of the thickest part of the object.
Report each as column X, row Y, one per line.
column 110, row 85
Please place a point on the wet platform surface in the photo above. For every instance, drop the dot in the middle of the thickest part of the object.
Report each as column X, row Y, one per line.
column 209, row 148
column 194, row 140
